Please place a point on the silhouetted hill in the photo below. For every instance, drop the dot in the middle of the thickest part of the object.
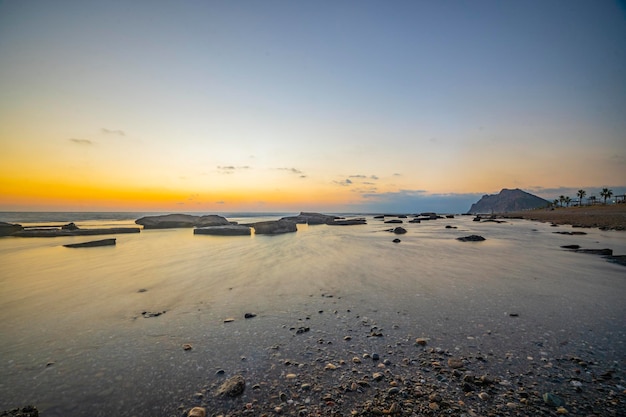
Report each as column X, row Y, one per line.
column 507, row 200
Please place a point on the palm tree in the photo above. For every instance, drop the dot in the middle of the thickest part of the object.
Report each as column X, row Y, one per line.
column 606, row 193
column 561, row 199
column 581, row 194
column 567, row 200
column 592, row 198
column 555, row 203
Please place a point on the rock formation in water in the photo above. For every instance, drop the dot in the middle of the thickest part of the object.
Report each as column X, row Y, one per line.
column 54, row 232
column 507, row 201
column 229, row 230
column 171, row 221
column 7, row 229
column 92, row 244
column 274, row 227
column 311, row 218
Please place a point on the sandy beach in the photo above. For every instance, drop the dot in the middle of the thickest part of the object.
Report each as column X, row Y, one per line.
column 609, row 217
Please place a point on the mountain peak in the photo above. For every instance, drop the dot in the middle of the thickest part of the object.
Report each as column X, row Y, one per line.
column 507, row 200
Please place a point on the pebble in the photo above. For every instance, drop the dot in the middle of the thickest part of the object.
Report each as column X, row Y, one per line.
column 291, row 376
column 455, row 363
column 377, row 376
column 187, row 346
column 330, row 367
column 197, row 412
column 229, row 320
column 422, row 341
column 484, row 396
column 232, row 387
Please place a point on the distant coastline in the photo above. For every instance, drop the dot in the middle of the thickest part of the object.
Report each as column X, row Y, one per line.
column 609, row 217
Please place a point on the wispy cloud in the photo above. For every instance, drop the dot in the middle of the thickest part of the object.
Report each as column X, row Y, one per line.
column 293, row 171
column 81, row 141
column 229, row 169
column 361, row 176
column 117, row 132
column 344, row 183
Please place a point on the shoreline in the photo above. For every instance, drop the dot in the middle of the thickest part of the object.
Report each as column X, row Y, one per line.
column 609, row 217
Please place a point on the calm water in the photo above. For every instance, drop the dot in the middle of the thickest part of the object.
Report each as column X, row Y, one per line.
column 74, row 341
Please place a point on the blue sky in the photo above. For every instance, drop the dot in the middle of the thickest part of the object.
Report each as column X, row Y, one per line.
column 329, row 105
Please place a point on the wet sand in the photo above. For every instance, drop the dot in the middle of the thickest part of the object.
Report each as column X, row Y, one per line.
column 610, row 217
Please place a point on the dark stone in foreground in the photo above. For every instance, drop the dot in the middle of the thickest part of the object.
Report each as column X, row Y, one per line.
column 172, row 221
column 471, row 238
column 7, row 229
column 27, row 411
column 274, row 227
column 399, row 230
column 229, row 230
column 393, row 221
column 92, row 244
column 79, row 232
column 232, row 387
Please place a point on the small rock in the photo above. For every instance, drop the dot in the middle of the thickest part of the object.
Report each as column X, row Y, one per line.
column 187, row 346
column 197, row 412
column 422, row 341
column 455, row 363
column 291, row 376
column 377, row 376
column 232, row 387
column 249, row 315
column 553, row 400
column 483, row 396
column 561, row 410
column 330, row 367
column 229, row 320
column 396, row 240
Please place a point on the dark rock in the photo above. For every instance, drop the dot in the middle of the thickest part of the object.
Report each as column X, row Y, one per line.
column 399, row 230
column 450, row 227
column 415, row 221
column 571, row 233
column 249, row 315
column 92, row 244
column 574, row 247
column 169, row 221
column 311, row 218
column 225, row 230
column 69, row 226
column 274, row 227
column 396, row 241
column 394, row 221
column 553, row 400
column 148, row 314
column 604, row 252
column 232, row 387
column 471, row 238
column 27, row 411
column 78, row 232
column 7, row 229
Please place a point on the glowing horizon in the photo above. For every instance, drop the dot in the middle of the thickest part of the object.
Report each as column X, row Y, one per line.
column 288, row 107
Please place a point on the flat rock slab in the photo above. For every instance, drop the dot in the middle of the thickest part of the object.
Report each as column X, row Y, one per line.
column 79, row 232
column 230, row 230
column 92, row 244
column 173, row 221
column 274, row 227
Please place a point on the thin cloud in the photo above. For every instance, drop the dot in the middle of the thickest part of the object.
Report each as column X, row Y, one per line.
column 293, row 170
column 345, row 183
column 81, row 141
column 229, row 169
column 117, row 132
column 358, row 176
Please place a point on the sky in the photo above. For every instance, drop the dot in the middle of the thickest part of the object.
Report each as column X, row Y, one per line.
column 336, row 106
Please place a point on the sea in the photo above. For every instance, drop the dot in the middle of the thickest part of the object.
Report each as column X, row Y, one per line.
column 149, row 326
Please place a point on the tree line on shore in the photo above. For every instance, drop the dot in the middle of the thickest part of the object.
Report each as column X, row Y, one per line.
column 565, row 201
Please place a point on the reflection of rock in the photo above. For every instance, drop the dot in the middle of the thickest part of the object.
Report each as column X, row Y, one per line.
column 92, row 244
column 274, row 227
column 170, row 221
column 471, row 238
column 230, row 230
column 7, row 229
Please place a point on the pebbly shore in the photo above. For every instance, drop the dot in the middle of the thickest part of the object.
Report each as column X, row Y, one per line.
column 608, row 217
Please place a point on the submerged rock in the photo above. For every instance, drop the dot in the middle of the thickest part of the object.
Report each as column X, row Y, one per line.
column 347, row 222
column 471, row 238
column 274, row 227
column 92, row 244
